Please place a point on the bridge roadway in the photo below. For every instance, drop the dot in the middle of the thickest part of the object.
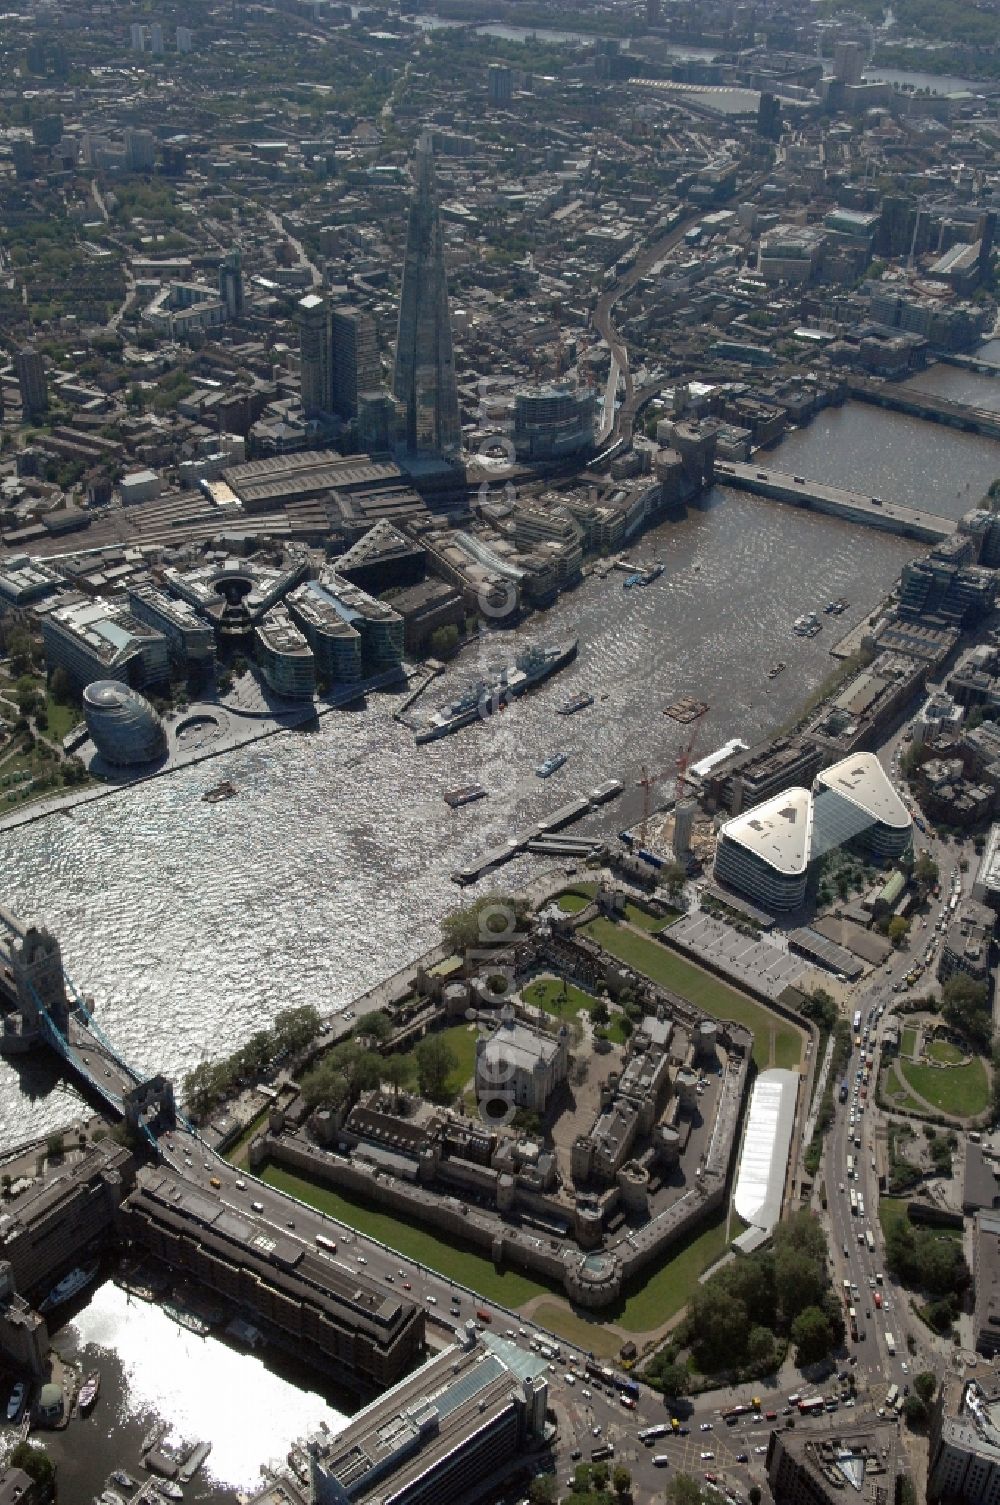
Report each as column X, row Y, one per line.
column 890, row 517
column 928, row 405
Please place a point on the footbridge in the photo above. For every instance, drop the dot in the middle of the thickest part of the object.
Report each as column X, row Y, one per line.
column 815, row 496
column 927, row 405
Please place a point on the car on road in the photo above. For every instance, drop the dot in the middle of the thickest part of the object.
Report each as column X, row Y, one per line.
column 706, row 1456
column 362, row 1260
column 587, row 1394
column 628, row 1402
column 575, row 1454
column 706, row 1426
column 432, row 1301
column 742, row 1457
column 596, row 1430
column 407, row 1286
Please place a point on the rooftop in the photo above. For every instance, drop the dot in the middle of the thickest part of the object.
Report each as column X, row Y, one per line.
column 862, row 780
column 779, row 831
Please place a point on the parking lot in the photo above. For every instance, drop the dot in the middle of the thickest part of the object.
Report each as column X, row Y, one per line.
column 764, row 964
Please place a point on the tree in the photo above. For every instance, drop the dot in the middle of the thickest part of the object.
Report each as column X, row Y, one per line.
column 915, row 1411
column 811, row 1336
column 295, row 1028
column 375, row 1028
column 760, row 1348
column 964, row 1004
column 673, row 1380
column 542, row 1490
column 444, row 640
column 35, row 1462
column 925, row 870
column 621, row 1480
column 435, row 1063
column 325, row 1087
column 925, row 1384
column 898, row 930
column 754, row 1494
column 492, row 920
column 55, row 1147
column 717, row 1322
column 684, row 1490
column 61, row 686
column 800, row 1280
column 398, row 1072
column 599, row 1013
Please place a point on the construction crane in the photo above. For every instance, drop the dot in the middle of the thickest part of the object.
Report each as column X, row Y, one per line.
column 683, row 764
column 647, row 783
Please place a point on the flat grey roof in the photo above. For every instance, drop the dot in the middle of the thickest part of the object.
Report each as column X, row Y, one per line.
column 779, row 830
column 862, row 780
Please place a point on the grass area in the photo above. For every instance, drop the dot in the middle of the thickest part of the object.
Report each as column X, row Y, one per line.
column 703, row 990
column 445, row 967
column 958, row 1090
column 546, row 993
column 643, row 920
column 668, row 1288
column 462, row 1039
column 572, row 903
column 591, row 1336
column 236, row 1153
column 896, row 1095
column 62, row 718
column 908, row 1044
column 444, row 1255
column 944, row 1052
column 891, row 1211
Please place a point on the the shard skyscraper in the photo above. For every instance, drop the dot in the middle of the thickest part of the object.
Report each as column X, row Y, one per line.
column 424, row 379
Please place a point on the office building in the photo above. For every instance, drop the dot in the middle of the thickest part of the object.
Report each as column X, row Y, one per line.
column 285, row 658
column 335, row 644
column 520, row 1064
column 356, row 366
column 424, row 379
column 315, row 355
column 378, row 425
column 185, row 38
column 986, row 1275
column 848, row 62
column 766, row 851
column 23, row 156
column 58, row 1221
column 964, row 1460
column 139, row 151
column 379, row 628
column 156, row 39
column 500, row 84
column 986, row 888
column 190, row 641
column 231, row 284
column 551, row 423
column 463, row 1416
column 138, row 35
column 382, row 559
column 122, row 724
column 338, row 1319
column 967, row 943
column 104, row 640
column 31, row 382
column 858, row 1461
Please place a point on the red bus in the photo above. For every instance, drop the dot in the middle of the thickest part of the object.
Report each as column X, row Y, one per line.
column 484, row 1316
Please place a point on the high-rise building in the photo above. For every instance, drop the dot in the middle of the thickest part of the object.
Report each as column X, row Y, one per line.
column 31, row 381
column 315, row 355
column 231, row 284
column 501, row 84
column 185, row 37
column 156, row 39
column 769, row 117
column 138, row 35
column 23, row 154
column 356, row 365
column 654, row 12
column 848, row 62
column 139, row 150
column 424, row 378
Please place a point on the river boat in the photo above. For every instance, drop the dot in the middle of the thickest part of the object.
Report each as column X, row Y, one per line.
column 111, row 1497
column 465, row 796
column 71, row 1285
column 776, row 669
column 550, row 766
column 632, row 580
column 16, row 1401
column 223, row 791
column 482, row 698
column 192, row 1463
column 153, row 1436
column 168, row 1489
column 88, row 1392
column 119, row 1476
column 653, row 573
column 578, row 703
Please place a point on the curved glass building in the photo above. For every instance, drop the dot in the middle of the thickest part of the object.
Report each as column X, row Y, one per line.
column 123, row 725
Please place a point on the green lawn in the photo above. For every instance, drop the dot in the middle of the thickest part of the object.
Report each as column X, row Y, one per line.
column 446, row 967
column 891, row 1210
column 62, row 718
column 703, row 990
column 588, row 1332
column 236, row 1153
column 657, row 1296
column 643, row 920
column 909, row 1042
column 546, row 993
column 896, row 1094
column 572, row 903
column 944, row 1052
column 462, row 1039
column 437, row 1253
column 958, row 1090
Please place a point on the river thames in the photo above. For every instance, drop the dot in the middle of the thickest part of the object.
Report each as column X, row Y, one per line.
column 192, row 924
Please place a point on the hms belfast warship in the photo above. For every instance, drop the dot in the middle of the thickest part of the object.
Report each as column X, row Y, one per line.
column 482, row 698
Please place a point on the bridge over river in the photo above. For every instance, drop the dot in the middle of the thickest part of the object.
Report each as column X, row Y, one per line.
column 874, row 512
